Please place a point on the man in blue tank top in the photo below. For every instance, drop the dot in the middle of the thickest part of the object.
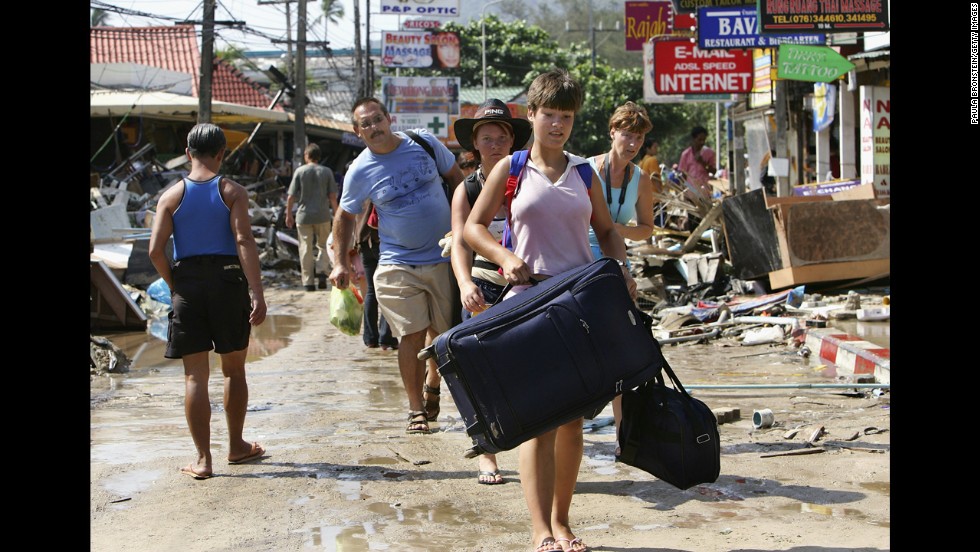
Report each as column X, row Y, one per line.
column 215, row 265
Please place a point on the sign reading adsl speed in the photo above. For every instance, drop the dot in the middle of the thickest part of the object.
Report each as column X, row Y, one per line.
column 681, row 68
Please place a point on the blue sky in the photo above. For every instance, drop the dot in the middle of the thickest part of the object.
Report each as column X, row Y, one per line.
column 265, row 19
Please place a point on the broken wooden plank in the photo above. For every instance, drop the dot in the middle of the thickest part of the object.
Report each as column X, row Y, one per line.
column 111, row 306
column 793, row 276
column 795, row 452
column 706, row 223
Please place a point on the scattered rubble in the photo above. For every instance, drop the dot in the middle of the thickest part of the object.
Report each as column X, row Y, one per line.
column 684, row 279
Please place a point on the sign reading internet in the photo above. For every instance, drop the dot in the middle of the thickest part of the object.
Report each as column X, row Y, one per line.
column 681, row 68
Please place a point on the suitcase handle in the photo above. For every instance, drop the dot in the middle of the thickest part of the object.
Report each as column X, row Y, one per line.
column 508, row 287
column 427, row 352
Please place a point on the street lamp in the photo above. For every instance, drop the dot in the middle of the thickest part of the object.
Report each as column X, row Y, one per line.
column 483, row 42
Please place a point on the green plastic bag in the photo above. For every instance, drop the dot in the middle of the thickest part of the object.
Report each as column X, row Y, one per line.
column 346, row 309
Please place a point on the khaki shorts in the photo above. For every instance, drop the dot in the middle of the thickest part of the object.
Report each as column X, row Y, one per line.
column 413, row 298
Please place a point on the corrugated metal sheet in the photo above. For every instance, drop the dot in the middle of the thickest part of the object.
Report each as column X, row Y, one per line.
column 175, row 49
column 105, row 103
column 870, row 55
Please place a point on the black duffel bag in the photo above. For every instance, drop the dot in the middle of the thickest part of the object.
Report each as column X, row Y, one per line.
column 668, row 433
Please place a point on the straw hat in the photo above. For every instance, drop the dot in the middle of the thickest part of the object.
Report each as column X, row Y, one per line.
column 492, row 110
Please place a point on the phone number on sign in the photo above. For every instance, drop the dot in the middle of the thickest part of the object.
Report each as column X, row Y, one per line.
column 827, row 18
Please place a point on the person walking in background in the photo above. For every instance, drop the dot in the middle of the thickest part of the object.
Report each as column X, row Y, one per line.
column 413, row 279
column 489, row 136
column 697, row 162
column 314, row 189
column 467, row 161
column 651, row 166
column 627, row 188
column 376, row 332
column 550, row 216
column 650, row 163
column 216, row 264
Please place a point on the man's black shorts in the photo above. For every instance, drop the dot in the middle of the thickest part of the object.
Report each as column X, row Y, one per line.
column 211, row 306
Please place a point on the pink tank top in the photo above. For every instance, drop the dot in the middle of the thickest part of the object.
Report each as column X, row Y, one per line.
column 551, row 220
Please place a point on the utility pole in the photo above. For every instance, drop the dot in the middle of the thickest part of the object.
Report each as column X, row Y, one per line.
column 368, row 75
column 358, row 62
column 290, row 68
column 483, row 42
column 299, row 102
column 592, row 30
column 207, row 58
column 297, row 76
column 207, row 64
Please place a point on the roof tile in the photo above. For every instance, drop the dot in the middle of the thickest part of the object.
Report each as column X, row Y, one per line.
column 175, row 48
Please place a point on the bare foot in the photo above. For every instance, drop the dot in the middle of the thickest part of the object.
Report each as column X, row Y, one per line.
column 190, row 469
column 489, row 473
column 573, row 544
column 256, row 451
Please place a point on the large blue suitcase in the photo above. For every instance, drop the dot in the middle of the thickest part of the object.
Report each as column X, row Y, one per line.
column 560, row 350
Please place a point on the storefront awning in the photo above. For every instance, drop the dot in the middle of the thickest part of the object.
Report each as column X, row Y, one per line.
column 165, row 105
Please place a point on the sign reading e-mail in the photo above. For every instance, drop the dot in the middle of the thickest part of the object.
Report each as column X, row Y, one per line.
column 681, row 68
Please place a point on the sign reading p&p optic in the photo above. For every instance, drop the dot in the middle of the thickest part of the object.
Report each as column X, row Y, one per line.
column 443, row 8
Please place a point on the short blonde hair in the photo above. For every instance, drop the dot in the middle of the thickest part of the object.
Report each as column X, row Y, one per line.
column 631, row 118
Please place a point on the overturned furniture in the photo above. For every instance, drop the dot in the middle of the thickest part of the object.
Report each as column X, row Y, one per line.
column 799, row 240
column 110, row 305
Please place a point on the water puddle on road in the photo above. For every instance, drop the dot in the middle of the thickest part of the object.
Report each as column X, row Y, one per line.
column 822, row 509
column 878, row 332
column 365, row 536
column 127, row 484
column 145, row 349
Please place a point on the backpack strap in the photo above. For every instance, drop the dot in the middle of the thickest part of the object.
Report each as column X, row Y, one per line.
column 472, row 189
column 517, row 162
column 585, row 171
column 421, row 141
column 428, row 149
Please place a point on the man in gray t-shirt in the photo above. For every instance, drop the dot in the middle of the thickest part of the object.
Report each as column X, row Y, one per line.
column 314, row 189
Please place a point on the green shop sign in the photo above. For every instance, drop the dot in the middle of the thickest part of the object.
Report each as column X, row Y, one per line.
column 810, row 63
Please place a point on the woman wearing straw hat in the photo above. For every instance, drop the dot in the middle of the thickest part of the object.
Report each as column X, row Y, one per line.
column 491, row 135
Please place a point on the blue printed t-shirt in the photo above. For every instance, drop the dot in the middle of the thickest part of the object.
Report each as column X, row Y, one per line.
column 406, row 189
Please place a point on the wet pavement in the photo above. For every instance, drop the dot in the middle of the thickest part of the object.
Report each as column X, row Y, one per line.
column 146, row 422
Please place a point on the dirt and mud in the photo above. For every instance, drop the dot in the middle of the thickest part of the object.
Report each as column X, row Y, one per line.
column 340, row 473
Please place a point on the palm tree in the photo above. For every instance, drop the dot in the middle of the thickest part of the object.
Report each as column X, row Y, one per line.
column 101, row 17
column 333, row 12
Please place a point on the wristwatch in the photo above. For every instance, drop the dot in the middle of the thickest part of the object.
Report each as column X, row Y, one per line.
column 619, row 262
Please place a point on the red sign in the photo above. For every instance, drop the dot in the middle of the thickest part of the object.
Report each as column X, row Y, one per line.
column 646, row 20
column 421, row 24
column 681, row 68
